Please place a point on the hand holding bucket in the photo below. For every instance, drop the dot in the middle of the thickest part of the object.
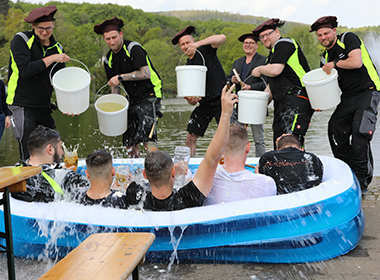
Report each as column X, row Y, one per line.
column 191, row 79
column 72, row 88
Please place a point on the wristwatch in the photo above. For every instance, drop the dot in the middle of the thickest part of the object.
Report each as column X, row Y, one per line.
column 120, row 78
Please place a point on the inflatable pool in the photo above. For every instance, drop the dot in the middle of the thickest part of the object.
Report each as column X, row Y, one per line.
column 311, row 225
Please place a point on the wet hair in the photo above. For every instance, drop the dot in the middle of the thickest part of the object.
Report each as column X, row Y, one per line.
column 158, row 166
column 99, row 163
column 40, row 137
column 238, row 138
column 287, row 140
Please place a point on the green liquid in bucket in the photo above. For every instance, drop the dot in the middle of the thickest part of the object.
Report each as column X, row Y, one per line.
column 110, row 106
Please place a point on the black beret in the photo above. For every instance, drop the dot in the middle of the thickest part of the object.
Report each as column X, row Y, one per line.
column 248, row 35
column 327, row 21
column 108, row 25
column 41, row 14
column 272, row 23
column 187, row 31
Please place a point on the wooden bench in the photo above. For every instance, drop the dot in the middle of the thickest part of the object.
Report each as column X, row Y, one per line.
column 12, row 179
column 104, row 256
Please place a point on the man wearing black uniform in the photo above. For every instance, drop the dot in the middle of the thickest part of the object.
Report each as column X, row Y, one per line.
column 128, row 63
column 290, row 166
column 243, row 67
column 33, row 54
column 286, row 65
column 353, row 122
column 209, row 106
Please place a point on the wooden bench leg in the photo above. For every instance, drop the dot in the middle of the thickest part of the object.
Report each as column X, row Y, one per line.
column 135, row 273
column 8, row 235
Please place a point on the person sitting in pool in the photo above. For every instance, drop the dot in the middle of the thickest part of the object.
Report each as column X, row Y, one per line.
column 100, row 173
column 232, row 181
column 45, row 147
column 160, row 172
column 290, row 166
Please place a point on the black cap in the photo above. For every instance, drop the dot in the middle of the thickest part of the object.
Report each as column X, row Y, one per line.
column 186, row 31
column 272, row 23
column 109, row 25
column 327, row 21
column 41, row 14
column 248, row 35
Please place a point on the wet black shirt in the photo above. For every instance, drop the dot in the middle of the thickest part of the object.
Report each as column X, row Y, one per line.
column 215, row 76
column 39, row 189
column 188, row 196
column 287, row 82
column 117, row 199
column 292, row 169
column 121, row 63
column 351, row 81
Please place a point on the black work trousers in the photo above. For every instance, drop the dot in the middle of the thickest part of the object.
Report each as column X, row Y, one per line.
column 292, row 115
column 347, row 139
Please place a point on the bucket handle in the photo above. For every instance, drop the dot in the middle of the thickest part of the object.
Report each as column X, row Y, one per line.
column 204, row 62
column 265, row 82
column 71, row 59
column 120, row 86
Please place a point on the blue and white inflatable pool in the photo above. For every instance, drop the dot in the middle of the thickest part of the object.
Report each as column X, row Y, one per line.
column 311, row 225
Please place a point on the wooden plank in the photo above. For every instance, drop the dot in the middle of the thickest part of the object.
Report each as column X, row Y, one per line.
column 103, row 256
column 14, row 175
column 18, row 187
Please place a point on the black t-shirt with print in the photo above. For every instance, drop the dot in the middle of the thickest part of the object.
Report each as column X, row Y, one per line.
column 292, row 169
column 188, row 196
column 117, row 199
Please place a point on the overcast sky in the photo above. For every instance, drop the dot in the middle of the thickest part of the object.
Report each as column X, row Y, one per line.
column 349, row 12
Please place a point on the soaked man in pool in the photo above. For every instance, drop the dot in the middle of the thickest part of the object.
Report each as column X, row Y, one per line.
column 128, row 64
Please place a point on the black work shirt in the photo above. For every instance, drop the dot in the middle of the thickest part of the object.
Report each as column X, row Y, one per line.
column 215, row 76
column 292, row 169
column 122, row 63
column 188, row 196
column 351, row 81
column 287, row 82
column 33, row 87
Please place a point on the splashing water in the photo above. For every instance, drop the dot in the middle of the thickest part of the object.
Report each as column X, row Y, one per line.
column 372, row 42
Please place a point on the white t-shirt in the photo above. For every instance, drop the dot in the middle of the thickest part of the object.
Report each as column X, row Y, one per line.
column 239, row 185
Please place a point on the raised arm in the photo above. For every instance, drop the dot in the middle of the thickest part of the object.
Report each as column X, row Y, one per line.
column 204, row 176
column 214, row 40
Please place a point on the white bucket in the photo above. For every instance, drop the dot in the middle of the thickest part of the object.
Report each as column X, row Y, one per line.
column 112, row 123
column 72, row 89
column 191, row 80
column 322, row 89
column 252, row 106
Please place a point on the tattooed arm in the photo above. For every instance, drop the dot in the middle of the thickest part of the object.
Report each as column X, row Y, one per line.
column 142, row 74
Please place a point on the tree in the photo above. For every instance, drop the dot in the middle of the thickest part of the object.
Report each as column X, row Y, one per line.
column 4, row 7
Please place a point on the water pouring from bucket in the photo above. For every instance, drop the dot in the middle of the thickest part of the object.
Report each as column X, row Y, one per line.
column 322, row 88
column 70, row 157
column 112, row 112
column 191, row 79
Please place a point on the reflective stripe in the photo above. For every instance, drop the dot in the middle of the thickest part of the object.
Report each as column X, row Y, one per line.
column 366, row 59
column 154, row 78
column 294, row 122
column 56, row 187
column 293, row 60
column 12, row 84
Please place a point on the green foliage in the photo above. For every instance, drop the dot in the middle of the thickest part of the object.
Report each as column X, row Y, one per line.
column 75, row 23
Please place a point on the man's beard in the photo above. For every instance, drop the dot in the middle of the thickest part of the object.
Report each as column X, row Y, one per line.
column 56, row 158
